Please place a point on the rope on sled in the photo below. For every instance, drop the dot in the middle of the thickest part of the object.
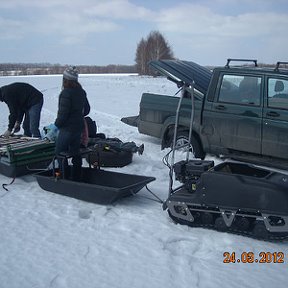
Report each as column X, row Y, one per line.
column 6, row 184
column 158, row 200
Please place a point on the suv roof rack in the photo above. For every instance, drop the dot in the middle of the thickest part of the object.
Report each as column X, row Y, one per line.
column 278, row 64
column 240, row 60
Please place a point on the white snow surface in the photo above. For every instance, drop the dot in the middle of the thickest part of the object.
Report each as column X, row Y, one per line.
column 49, row 240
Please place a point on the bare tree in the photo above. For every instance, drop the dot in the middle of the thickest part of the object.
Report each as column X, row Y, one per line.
column 141, row 57
column 155, row 47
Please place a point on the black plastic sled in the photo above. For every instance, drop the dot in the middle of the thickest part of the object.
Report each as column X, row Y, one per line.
column 233, row 197
column 97, row 186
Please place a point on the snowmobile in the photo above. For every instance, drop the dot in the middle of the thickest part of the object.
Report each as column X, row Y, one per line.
column 235, row 197
column 230, row 197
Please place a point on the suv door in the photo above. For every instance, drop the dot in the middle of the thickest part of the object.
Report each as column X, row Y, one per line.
column 236, row 114
column 275, row 118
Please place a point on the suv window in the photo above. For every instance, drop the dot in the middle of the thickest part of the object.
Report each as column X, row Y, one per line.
column 278, row 93
column 240, row 89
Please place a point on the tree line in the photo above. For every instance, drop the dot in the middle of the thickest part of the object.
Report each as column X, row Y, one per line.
column 153, row 47
column 19, row 69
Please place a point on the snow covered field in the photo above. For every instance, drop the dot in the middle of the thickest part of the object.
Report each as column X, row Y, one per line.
column 48, row 240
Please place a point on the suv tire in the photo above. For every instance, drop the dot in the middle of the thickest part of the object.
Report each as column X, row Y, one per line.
column 183, row 138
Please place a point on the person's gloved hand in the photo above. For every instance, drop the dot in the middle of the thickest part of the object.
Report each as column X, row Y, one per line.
column 7, row 133
column 52, row 132
column 16, row 127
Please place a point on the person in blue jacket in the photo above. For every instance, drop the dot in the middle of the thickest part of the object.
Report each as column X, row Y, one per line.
column 22, row 99
column 72, row 107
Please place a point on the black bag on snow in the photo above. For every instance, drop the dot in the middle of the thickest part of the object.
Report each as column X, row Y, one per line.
column 104, row 155
column 108, row 152
column 112, row 152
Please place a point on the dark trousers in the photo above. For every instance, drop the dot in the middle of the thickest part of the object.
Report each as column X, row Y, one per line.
column 69, row 142
column 32, row 120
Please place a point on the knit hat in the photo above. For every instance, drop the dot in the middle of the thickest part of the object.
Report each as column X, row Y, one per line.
column 71, row 73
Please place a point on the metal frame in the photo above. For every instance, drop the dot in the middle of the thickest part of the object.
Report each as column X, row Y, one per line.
column 184, row 87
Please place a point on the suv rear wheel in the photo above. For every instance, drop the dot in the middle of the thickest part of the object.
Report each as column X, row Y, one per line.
column 182, row 142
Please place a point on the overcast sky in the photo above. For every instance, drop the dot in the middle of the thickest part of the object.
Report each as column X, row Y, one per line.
column 102, row 32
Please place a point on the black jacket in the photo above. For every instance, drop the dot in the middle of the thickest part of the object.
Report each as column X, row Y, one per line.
column 72, row 107
column 19, row 97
